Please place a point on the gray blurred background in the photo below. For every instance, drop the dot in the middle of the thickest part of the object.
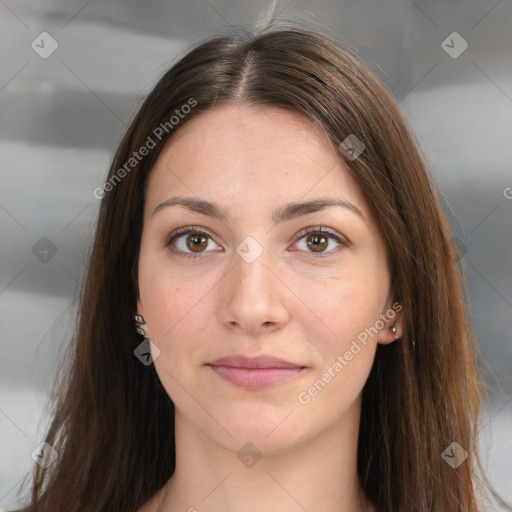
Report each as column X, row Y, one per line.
column 71, row 77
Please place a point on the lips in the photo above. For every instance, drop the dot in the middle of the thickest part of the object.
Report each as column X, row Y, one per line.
column 255, row 372
column 240, row 361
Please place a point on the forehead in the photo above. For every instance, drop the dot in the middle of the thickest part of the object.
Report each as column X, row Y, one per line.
column 252, row 155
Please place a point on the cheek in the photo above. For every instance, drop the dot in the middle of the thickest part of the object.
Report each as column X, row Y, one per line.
column 348, row 351
column 345, row 354
column 174, row 307
column 342, row 330
column 174, row 318
column 341, row 306
column 171, row 307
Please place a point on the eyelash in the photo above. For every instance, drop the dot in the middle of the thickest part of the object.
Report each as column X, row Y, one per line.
column 304, row 232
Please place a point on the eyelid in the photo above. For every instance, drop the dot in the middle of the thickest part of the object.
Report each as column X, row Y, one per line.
column 322, row 229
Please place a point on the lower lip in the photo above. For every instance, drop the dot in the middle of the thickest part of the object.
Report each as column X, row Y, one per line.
column 255, row 378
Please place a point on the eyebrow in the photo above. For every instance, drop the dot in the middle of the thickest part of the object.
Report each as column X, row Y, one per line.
column 282, row 214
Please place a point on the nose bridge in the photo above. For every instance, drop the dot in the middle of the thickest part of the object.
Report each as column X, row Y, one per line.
column 252, row 262
column 251, row 296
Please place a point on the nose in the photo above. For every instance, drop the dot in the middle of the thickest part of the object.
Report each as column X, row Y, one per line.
column 254, row 299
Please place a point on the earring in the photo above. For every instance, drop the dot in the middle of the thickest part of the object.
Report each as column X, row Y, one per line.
column 139, row 321
column 394, row 330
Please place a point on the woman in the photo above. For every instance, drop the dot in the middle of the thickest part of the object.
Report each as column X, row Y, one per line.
column 272, row 318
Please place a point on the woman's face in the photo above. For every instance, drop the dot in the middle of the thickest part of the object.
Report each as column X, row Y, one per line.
column 252, row 283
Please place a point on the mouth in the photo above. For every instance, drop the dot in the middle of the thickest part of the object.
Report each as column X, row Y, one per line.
column 255, row 372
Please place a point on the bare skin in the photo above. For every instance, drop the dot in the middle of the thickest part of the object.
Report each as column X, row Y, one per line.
column 291, row 301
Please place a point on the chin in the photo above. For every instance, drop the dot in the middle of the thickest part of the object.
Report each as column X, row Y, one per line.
column 269, row 428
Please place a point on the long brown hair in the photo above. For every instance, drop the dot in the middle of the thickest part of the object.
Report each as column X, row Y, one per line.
column 113, row 421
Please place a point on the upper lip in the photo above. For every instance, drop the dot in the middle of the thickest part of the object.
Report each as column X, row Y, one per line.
column 265, row 361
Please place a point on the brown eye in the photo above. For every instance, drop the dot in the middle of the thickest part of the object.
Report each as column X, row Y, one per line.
column 317, row 240
column 195, row 243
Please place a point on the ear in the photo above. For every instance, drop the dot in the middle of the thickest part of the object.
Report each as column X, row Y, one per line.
column 391, row 316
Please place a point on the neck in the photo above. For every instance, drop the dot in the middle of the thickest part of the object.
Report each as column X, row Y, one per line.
column 319, row 474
